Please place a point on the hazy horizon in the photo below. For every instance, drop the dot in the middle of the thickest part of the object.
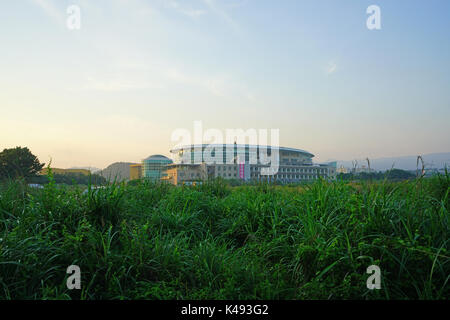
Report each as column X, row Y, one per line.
column 137, row 70
column 345, row 162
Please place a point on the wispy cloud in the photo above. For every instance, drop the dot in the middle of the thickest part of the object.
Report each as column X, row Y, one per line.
column 217, row 85
column 215, row 8
column 193, row 13
column 213, row 84
column 188, row 11
column 236, row 3
column 117, row 85
column 49, row 8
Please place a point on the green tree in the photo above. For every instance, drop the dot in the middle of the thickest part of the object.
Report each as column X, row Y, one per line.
column 19, row 162
column 398, row 174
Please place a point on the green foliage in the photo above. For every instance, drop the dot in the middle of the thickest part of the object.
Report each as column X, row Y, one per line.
column 149, row 240
column 18, row 162
column 71, row 178
column 391, row 175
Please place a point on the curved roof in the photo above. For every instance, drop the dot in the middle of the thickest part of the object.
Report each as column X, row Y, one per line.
column 242, row 145
column 157, row 157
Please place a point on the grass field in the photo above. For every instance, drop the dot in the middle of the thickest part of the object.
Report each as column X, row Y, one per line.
column 156, row 241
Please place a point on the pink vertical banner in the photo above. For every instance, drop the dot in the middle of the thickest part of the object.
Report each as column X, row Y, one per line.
column 241, row 170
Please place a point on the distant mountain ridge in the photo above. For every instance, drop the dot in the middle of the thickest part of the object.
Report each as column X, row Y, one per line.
column 119, row 171
column 431, row 160
column 91, row 169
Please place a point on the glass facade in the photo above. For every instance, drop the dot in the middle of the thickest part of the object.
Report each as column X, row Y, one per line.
column 154, row 167
column 248, row 162
column 222, row 154
column 253, row 162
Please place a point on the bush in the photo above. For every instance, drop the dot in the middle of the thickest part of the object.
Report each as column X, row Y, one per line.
column 150, row 240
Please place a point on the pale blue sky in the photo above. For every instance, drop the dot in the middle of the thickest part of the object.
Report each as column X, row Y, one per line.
column 139, row 69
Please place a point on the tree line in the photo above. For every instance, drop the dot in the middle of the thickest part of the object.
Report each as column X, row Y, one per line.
column 393, row 174
column 21, row 163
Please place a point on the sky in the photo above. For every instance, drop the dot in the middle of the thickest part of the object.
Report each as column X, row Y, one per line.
column 137, row 70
